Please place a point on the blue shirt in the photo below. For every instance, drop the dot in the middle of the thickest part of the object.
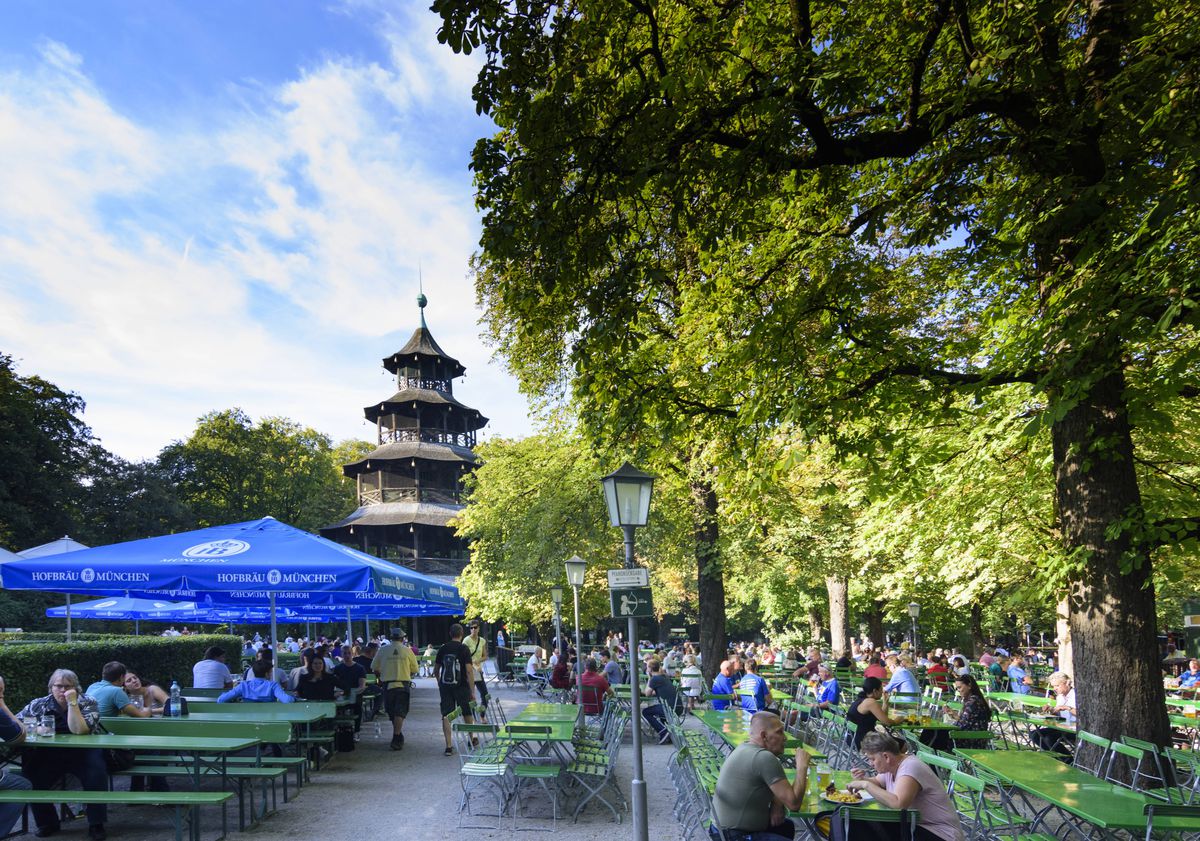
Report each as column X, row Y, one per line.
column 721, row 686
column 1016, row 680
column 1189, row 678
column 110, row 699
column 255, row 690
column 757, row 687
column 903, row 681
column 829, row 691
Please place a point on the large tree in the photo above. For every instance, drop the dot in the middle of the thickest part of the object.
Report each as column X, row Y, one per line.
column 888, row 202
column 233, row 469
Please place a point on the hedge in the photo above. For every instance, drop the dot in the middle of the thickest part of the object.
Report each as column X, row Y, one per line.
column 27, row 667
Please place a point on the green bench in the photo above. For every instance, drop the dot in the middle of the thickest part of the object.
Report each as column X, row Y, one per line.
column 186, row 803
column 242, row 776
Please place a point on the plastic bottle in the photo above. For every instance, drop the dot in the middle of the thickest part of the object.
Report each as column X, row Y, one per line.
column 176, row 695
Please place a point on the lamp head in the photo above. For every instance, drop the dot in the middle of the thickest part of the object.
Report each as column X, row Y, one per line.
column 627, row 491
column 576, row 567
column 914, row 610
column 556, row 596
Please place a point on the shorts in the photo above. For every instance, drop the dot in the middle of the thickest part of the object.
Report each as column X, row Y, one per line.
column 396, row 699
column 455, row 696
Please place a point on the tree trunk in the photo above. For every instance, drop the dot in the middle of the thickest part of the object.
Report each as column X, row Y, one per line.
column 816, row 637
column 875, row 625
column 1062, row 630
column 839, row 613
column 710, row 580
column 977, row 640
column 1112, row 618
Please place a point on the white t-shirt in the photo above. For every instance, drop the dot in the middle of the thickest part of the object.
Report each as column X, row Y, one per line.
column 531, row 668
column 211, row 674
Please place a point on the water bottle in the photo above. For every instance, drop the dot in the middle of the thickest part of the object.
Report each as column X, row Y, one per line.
column 176, row 696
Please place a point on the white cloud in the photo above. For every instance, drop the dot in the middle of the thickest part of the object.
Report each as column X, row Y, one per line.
column 165, row 272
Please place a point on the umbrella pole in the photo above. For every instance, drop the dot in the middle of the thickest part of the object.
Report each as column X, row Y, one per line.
column 349, row 627
column 274, row 633
column 137, row 628
column 68, row 617
column 367, row 638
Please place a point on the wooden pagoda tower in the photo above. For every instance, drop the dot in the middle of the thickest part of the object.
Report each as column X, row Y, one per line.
column 410, row 486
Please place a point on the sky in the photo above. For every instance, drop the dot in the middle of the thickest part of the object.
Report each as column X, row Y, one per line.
column 226, row 203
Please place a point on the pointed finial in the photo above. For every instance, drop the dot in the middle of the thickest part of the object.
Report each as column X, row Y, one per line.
column 421, row 299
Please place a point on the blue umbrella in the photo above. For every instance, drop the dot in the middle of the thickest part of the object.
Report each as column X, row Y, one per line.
column 218, row 565
column 123, row 607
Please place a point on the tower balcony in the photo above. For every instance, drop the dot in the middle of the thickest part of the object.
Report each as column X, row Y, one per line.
column 375, row 496
column 428, row 436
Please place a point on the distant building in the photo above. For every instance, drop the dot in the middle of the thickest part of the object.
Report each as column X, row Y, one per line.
column 410, row 485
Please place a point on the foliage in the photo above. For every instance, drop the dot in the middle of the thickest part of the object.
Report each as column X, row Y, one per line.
column 232, row 469
column 26, row 668
column 534, row 503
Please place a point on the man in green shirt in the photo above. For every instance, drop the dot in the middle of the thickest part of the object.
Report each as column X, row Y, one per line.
column 753, row 794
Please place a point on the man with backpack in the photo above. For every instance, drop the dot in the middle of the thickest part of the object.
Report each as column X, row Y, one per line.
column 455, row 679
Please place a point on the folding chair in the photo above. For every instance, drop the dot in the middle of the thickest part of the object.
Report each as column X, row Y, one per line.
column 1091, row 753
column 1161, row 811
column 482, row 765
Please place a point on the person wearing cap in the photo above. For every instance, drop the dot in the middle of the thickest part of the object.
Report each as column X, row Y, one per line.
column 395, row 664
column 478, row 647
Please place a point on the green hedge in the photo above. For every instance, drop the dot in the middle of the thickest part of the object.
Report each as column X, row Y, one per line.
column 53, row 636
column 26, row 668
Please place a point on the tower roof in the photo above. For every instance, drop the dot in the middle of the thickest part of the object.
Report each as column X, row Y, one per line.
column 422, row 345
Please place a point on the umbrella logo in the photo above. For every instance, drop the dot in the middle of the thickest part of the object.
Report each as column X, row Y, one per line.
column 87, row 575
column 216, row 549
column 274, row 576
column 104, row 604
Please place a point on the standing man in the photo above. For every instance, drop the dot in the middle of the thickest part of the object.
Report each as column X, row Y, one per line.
column 478, row 647
column 395, row 664
column 453, row 672
column 211, row 672
column 753, row 795
column 11, row 733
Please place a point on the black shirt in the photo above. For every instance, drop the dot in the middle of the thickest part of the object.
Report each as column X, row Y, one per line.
column 454, row 664
column 348, row 676
column 316, row 690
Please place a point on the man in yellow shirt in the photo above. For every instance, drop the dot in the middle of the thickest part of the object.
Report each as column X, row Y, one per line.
column 478, row 647
column 395, row 664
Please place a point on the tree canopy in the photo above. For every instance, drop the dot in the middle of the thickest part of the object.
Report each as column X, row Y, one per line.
column 853, row 214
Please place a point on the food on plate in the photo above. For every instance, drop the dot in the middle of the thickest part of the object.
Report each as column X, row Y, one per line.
column 832, row 793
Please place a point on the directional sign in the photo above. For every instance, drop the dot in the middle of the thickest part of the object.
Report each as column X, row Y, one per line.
column 620, row 579
column 631, row 603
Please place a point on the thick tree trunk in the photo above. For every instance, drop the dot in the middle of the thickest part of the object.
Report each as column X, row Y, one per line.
column 875, row 625
column 1062, row 630
column 815, row 630
column 1112, row 621
column 710, row 580
column 977, row 640
column 838, row 589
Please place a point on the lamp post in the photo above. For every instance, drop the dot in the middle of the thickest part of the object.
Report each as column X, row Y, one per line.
column 914, row 611
column 556, row 597
column 576, row 567
column 1028, row 630
column 627, row 491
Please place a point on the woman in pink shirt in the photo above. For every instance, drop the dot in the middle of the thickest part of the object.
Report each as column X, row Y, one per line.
column 902, row 781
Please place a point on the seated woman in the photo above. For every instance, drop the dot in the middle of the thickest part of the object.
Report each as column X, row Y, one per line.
column 316, row 683
column 76, row 713
column 867, row 711
column 902, row 781
column 560, row 677
column 153, row 696
column 976, row 715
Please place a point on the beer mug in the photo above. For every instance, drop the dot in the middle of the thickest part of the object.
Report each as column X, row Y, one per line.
column 46, row 731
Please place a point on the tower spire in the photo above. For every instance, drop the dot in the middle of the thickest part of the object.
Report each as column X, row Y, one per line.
column 421, row 299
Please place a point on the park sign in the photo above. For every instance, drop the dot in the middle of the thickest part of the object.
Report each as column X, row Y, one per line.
column 621, row 579
column 631, row 603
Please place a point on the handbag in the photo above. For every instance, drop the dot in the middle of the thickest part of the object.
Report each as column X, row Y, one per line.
column 119, row 759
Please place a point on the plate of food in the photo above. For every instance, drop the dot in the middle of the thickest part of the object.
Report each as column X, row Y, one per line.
column 835, row 795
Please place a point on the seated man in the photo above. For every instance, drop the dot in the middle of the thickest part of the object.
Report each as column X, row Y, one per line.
column 1191, row 678
column 259, row 688
column 11, row 733
column 533, row 673
column 276, row 674
column 723, row 685
column 660, row 687
column 611, row 668
column 1019, row 681
column 110, row 695
column 211, row 672
column 46, row 767
column 828, row 691
column 753, row 689
column 752, row 794
column 595, row 689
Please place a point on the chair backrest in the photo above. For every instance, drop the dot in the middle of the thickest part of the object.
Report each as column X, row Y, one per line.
column 1167, row 810
column 943, row 765
column 907, row 818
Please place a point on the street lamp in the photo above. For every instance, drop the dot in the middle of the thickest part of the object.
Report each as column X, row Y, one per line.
column 576, row 567
column 914, row 611
column 1028, row 630
column 556, row 597
column 627, row 491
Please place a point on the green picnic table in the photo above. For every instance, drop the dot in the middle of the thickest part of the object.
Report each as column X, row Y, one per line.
column 560, row 718
column 733, row 726
column 776, row 694
column 1016, row 698
column 1105, row 806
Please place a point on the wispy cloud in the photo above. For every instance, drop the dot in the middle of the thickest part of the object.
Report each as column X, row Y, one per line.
column 260, row 254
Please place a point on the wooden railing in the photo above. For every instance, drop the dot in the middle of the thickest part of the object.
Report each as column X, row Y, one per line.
column 429, row 436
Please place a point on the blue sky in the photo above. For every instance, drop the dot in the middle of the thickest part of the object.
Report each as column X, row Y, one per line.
column 215, row 204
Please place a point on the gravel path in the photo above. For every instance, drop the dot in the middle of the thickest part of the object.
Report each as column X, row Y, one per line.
column 375, row 793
